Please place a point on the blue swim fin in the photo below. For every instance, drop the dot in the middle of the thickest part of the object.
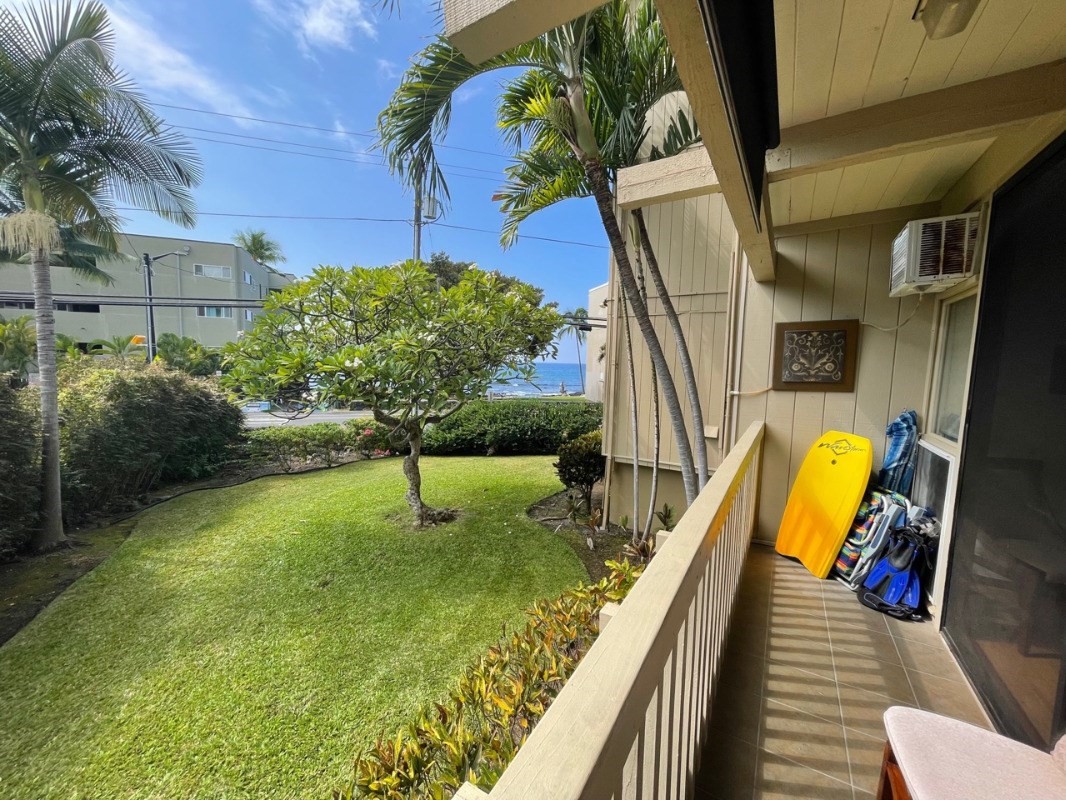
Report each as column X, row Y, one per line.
column 891, row 575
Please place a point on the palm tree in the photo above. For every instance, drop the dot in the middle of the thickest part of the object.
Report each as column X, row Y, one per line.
column 67, row 347
column 578, row 319
column 120, row 347
column 582, row 103
column 76, row 139
column 260, row 246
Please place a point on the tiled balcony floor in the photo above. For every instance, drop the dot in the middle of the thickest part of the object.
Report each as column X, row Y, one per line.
column 807, row 675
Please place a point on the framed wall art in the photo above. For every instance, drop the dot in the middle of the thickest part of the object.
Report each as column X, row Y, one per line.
column 815, row 356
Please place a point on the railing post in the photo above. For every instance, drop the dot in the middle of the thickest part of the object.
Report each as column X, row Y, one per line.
column 660, row 539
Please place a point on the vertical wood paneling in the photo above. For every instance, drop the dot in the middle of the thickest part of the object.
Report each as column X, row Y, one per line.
column 830, row 275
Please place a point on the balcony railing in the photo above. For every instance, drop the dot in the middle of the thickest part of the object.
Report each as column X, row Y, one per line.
column 631, row 721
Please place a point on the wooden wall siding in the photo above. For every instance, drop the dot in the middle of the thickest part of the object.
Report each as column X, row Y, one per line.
column 886, row 183
column 835, row 56
column 693, row 240
column 832, row 275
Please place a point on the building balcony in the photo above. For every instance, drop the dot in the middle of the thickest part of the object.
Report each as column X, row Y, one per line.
column 730, row 672
column 808, row 671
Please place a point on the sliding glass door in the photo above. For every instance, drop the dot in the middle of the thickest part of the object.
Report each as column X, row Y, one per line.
column 1005, row 612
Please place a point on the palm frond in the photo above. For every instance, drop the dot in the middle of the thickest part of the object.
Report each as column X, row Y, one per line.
column 538, row 179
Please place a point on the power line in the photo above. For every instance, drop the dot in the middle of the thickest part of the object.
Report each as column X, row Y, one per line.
column 317, row 155
column 334, row 131
column 372, row 219
column 375, row 162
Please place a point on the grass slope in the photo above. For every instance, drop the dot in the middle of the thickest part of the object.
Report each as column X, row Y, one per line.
column 244, row 642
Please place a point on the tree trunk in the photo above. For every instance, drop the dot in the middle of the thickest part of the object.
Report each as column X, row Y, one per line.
column 687, row 372
column 633, row 424
column 50, row 532
column 601, row 190
column 424, row 515
column 656, row 422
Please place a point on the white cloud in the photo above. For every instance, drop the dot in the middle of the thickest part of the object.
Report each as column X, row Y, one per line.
column 387, row 70
column 319, row 23
column 165, row 71
column 464, row 94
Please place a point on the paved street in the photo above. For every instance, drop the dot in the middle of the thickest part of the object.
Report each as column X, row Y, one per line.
column 260, row 419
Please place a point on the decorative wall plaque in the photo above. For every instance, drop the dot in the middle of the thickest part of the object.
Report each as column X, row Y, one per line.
column 815, row 356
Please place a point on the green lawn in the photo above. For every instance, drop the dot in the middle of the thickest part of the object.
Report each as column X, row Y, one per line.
column 245, row 642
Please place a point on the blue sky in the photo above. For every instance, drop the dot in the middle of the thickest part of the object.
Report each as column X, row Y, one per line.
column 332, row 64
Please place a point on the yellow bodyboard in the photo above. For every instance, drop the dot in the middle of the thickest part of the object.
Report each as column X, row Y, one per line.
column 824, row 500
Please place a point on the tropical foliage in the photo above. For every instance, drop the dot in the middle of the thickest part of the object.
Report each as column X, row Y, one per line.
column 575, row 115
column 120, row 347
column 581, row 464
column 474, row 733
column 185, row 354
column 392, row 339
column 129, row 426
column 76, row 140
column 18, row 348
column 19, row 465
column 323, row 444
column 512, row 427
column 260, row 246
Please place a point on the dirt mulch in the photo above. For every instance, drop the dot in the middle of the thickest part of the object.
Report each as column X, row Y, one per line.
column 551, row 512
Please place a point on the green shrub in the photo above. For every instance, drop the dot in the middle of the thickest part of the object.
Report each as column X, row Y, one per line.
column 581, row 464
column 512, row 427
column 477, row 730
column 293, row 446
column 372, row 438
column 127, row 427
column 19, row 468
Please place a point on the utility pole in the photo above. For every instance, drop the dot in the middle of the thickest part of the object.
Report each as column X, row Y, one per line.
column 419, row 180
column 147, row 261
column 149, row 309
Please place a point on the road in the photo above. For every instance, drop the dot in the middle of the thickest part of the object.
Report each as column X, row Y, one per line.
column 261, row 419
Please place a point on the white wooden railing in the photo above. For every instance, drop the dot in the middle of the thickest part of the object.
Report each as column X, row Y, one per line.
column 632, row 719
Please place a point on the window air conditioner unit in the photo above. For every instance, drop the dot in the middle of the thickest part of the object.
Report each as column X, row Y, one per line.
column 931, row 255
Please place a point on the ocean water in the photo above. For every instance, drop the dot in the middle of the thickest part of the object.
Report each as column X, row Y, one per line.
column 550, row 375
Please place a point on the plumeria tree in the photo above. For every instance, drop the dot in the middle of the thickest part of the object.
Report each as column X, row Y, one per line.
column 391, row 338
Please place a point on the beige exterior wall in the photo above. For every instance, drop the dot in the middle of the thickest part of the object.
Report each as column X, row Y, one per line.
column 695, row 243
column 840, row 274
column 173, row 276
column 595, row 345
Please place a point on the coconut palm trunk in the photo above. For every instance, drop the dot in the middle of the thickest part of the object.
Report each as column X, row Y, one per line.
column 50, row 532
column 688, row 374
column 601, row 191
column 634, row 427
column 656, row 423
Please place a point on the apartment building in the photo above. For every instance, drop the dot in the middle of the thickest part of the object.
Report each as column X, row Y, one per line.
column 227, row 280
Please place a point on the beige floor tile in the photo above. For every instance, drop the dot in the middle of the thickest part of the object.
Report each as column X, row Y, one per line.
column 924, row 632
column 865, row 754
column 738, row 714
column 879, row 677
column 862, row 711
column 845, row 616
column 947, row 697
column 801, row 690
column 866, row 643
column 780, row 778
column 727, row 771
column 934, row 660
column 804, row 738
column 742, row 672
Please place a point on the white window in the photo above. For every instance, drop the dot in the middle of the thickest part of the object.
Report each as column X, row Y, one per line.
column 248, row 278
column 214, row 312
column 953, row 365
column 212, row 271
column 249, row 315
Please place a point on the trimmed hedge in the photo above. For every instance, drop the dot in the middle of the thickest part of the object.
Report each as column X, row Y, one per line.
column 127, row 427
column 20, row 467
column 321, row 443
column 581, row 464
column 475, row 732
column 512, row 427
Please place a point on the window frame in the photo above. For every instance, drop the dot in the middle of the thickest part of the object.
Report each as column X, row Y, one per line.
column 943, row 311
column 226, row 312
column 225, row 275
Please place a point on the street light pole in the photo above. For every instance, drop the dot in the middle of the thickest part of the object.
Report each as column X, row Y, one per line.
column 149, row 309
column 147, row 261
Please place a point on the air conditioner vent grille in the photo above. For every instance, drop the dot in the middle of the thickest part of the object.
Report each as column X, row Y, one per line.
column 929, row 255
